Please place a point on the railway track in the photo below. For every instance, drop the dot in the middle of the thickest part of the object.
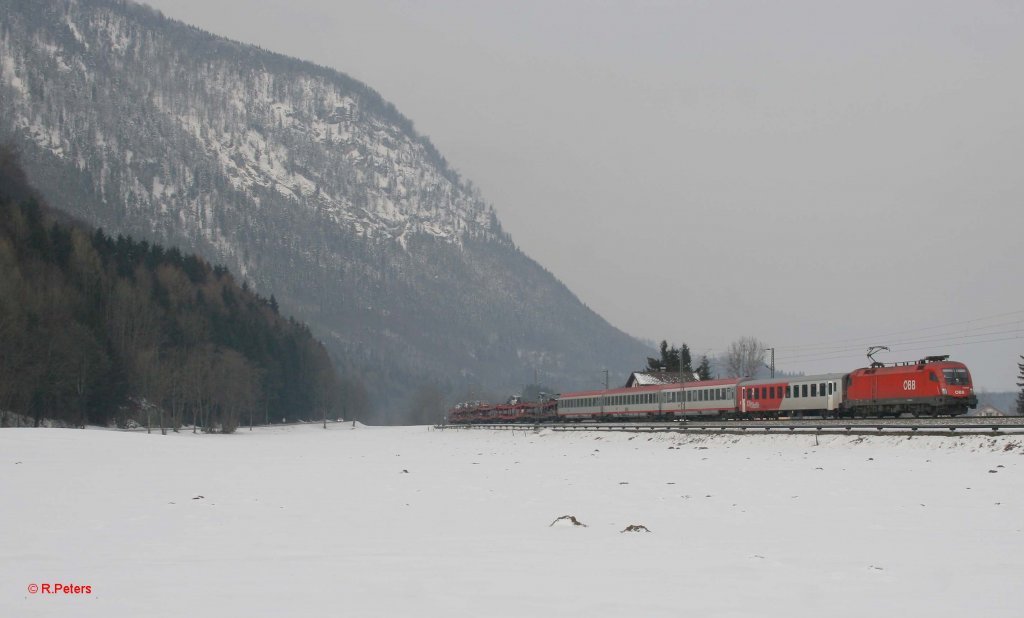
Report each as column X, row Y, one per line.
column 941, row 426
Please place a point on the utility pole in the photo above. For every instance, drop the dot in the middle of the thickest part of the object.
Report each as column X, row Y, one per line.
column 772, row 367
column 604, row 397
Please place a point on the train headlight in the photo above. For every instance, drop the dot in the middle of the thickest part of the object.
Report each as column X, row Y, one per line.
column 944, row 391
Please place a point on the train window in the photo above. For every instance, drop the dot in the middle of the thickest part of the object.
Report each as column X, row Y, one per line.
column 771, row 392
column 957, row 376
column 788, row 392
column 764, row 392
column 831, row 388
column 803, row 390
column 814, row 390
column 932, row 376
column 821, row 389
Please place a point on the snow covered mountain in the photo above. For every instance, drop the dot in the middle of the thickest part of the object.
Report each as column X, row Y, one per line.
column 305, row 182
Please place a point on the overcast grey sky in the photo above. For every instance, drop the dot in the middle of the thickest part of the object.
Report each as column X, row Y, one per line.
column 806, row 172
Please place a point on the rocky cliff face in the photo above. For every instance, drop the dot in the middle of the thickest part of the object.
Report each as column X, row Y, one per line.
column 303, row 181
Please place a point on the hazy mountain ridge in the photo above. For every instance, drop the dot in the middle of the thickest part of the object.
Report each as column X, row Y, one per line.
column 303, row 181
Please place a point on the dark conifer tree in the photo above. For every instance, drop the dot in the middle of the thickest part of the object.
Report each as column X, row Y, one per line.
column 704, row 369
column 1020, row 397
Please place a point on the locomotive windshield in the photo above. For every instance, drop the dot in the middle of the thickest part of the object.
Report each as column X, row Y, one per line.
column 956, row 377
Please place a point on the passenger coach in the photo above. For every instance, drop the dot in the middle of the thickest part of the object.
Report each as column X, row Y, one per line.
column 657, row 402
column 794, row 397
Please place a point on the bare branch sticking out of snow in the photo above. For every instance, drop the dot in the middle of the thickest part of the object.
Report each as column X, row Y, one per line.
column 571, row 518
column 635, row 528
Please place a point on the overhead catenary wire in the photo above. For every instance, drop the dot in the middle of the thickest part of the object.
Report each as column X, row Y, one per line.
column 929, row 347
column 866, row 340
column 941, row 339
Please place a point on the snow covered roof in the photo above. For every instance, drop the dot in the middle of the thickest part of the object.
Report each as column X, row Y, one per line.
column 650, row 378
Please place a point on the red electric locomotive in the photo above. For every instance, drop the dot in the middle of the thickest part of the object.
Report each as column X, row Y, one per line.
column 931, row 386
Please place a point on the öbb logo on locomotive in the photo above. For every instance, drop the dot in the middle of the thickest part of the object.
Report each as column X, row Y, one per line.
column 931, row 386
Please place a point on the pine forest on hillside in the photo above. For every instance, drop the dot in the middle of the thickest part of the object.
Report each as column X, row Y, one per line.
column 95, row 329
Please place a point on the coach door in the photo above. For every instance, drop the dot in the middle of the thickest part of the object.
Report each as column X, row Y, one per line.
column 830, row 402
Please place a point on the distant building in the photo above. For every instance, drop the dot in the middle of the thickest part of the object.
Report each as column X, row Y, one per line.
column 651, row 378
column 988, row 410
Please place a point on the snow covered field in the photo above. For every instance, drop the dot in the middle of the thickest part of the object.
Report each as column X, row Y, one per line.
column 299, row 521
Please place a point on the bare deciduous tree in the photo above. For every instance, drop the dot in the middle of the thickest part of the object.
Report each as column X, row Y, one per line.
column 744, row 357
